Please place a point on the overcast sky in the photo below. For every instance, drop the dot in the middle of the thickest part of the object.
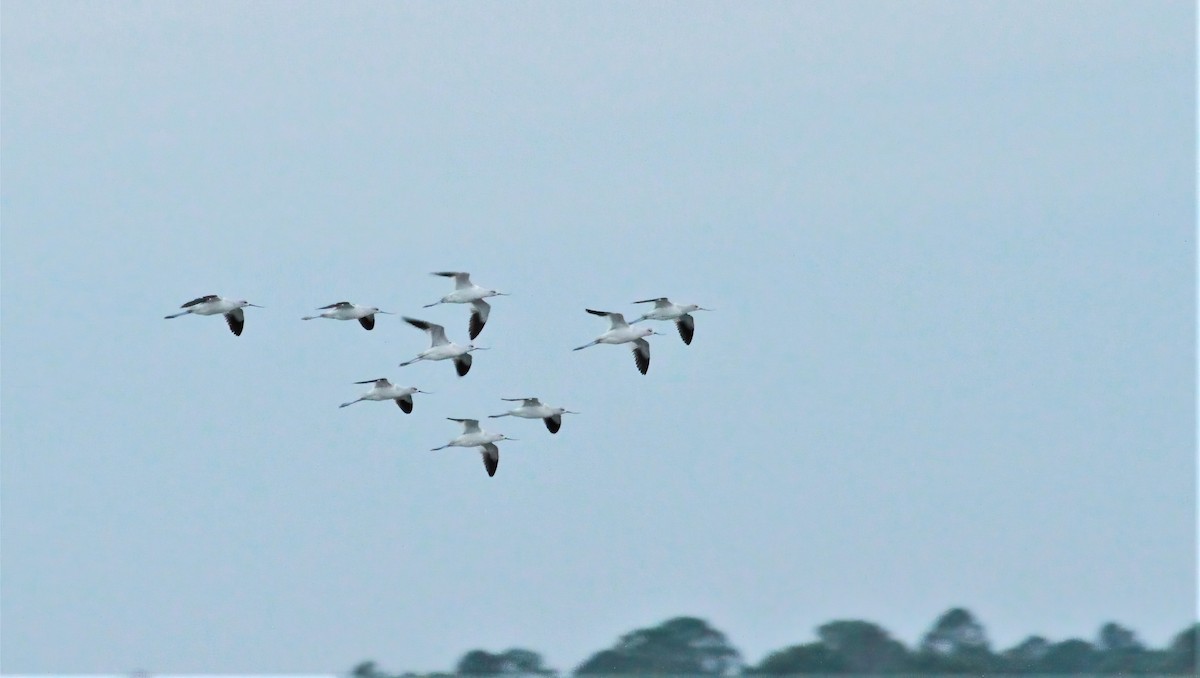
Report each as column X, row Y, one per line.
column 951, row 248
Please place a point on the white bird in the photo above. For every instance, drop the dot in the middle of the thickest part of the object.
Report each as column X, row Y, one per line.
column 680, row 313
column 467, row 292
column 532, row 408
column 441, row 348
column 385, row 390
column 212, row 305
column 621, row 333
column 344, row 310
column 472, row 436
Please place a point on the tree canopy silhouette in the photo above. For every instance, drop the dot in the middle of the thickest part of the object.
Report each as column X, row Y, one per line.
column 512, row 662
column 679, row 646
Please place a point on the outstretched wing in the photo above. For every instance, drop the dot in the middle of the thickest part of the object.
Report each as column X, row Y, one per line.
column 461, row 278
column 686, row 325
column 469, row 425
column 659, row 301
column 236, row 321
column 491, row 458
column 462, row 364
column 553, row 423
column 405, row 403
column 378, row 382
column 367, row 321
column 437, row 333
column 616, row 319
column 479, row 315
column 641, row 355
column 201, row 300
column 340, row 304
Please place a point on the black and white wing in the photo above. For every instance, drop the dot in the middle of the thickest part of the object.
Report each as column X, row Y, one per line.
column 437, row 333
column 659, row 302
column 617, row 320
column 686, row 325
column 405, row 403
column 469, row 425
column 461, row 278
column 236, row 321
column 479, row 316
column 491, row 458
column 367, row 321
column 462, row 364
column 553, row 423
column 201, row 300
column 641, row 355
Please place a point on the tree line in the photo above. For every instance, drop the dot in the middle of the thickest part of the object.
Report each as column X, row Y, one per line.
column 956, row 643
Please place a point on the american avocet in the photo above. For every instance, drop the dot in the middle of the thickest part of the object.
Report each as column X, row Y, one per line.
column 344, row 310
column 532, row 408
column 212, row 305
column 621, row 333
column 680, row 313
column 385, row 390
column 441, row 348
column 467, row 292
column 472, row 436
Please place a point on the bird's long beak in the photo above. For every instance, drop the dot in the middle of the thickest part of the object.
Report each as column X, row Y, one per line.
column 386, row 312
column 255, row 305
column 430, row 305
column 425, row 392
column 705, row 309
column 571, row 412
column 481, row 348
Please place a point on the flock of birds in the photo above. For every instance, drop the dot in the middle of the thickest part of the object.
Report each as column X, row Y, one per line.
column 441, row 348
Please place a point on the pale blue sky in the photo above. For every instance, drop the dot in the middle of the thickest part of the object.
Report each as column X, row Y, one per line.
column 951, row 247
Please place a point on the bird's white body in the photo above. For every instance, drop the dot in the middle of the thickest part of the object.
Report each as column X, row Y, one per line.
column 441, row 348
column 532, row 408
column 473, row 436
column 344, row 310
column 624, row 335
column 620, row 332
column 215, row 305
column 664, row 309
column 467, row 292
column 386, row 390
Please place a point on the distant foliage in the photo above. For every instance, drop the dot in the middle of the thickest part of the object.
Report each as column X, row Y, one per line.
column 514, row 662
column 956, row 643
column 863, row 647
column 680, row 646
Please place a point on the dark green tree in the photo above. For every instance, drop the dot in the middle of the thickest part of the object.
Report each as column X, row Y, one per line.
column 807, row 658
column 1070, row 656
column 1120, row 652
column 956, row 643
column 367, row 670
column 513, row 662
column 478, row 663
column 683, row 645
column 863, row 647
column 1180, row 655
column 1026, row 656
